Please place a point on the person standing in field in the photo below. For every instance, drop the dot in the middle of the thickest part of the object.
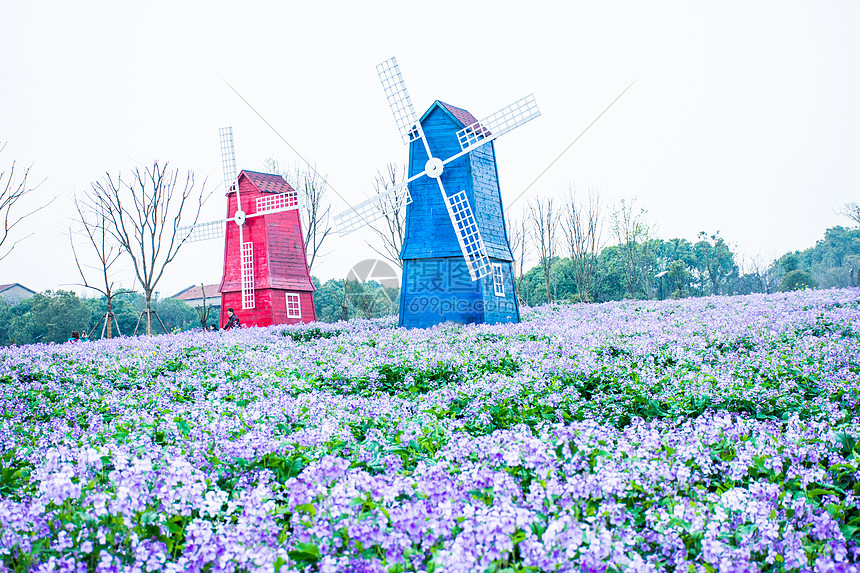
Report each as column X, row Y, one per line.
column 232, row 320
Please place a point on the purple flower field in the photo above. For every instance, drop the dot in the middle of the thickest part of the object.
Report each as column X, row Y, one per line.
column 701, row 435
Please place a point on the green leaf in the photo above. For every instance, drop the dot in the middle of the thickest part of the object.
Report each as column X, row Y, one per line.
column 183, row 426
column 848, row 531
column 307, row 552
column 309, row 508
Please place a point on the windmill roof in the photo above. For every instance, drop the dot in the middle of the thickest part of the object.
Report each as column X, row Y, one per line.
column 266, row 182
column 461, row 114
column 196, row 291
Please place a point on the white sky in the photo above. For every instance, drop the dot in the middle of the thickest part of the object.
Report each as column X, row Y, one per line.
column 744, row 119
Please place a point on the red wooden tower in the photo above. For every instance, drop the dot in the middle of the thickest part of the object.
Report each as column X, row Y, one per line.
column 266, row 278
column 277, row 282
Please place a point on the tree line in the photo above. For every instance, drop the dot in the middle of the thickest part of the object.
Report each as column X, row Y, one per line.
column 574, row 264
column 582, row 254
column 653, row 269
column 52, row 316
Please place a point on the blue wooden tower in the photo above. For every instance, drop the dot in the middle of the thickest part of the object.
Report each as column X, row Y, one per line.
column 436, row 284
column 457, row 262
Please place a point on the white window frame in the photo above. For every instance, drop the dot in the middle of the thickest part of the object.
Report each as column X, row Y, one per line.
column 296, row 310
column 498, row 280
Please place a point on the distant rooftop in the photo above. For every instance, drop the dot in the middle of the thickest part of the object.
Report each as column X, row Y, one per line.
column 196, row 292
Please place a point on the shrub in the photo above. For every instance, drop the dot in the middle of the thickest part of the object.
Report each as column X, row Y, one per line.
column 797, row 280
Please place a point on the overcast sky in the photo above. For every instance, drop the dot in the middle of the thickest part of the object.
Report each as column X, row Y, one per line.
column 744, row 118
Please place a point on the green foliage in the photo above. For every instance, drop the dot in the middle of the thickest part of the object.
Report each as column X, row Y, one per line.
column 327, row 301
column 176, row 314
column 707, row 267
column 830, row 262
column 55, row 314
column 716, row 260
column 790, row 262
column 797, row 280
column 309, row 334
column 15, row 321
column 679, row 277
column 562, row 283
column 124, row 308
column 337, row 299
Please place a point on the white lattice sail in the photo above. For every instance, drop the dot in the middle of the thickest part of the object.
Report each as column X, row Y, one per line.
column 398, row 99
column 228, row 156
column 372, row 209
column 203, row 231
column 499, row 123
column 279, row 202
column 468, row 235
column 247, row 275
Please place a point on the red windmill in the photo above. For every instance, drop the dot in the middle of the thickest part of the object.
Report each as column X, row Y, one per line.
column 266, row 271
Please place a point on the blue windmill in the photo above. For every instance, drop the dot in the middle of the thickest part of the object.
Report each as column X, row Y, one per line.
column 455, row 268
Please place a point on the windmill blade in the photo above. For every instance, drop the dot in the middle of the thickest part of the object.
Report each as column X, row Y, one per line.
column 497, row 124
column 203, row 231
column 398, row 99
column 228, row 157
column 468, row 235
column 228, row 161
column 247, row 274
column 372, row 209
column 287, row 201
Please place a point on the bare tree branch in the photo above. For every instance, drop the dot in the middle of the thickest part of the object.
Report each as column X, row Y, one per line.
column 518, row 238
column 544, row 230
column 393, row 214
column 144, row 214
column 11, row 192
column 852, row 211
column 315, row 208
column 92, row 221
column 582, row 230
column 631, row 230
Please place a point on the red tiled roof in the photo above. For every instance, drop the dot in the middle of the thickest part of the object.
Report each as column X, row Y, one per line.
column 195, row 292
column 462, row 115
column 267, row 182
column 10, row 285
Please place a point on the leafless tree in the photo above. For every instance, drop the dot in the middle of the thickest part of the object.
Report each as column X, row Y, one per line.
column 314, row 206
column 544, row 227
column 631, row 230
column 92, row 221
column 204, row 310
column 393, row 214
column 518, row 238
column 348, row 287
column 363, row 297
column 10, row 193
column 757, row 266
column 852, row 211
column 145, row 212
column 583, row 230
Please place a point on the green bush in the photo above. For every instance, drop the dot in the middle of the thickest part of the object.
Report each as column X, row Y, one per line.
column 797, row 280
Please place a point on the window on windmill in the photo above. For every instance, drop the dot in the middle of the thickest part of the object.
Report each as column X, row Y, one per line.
column 294, row 309
column 498, row 282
